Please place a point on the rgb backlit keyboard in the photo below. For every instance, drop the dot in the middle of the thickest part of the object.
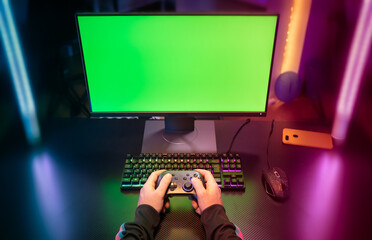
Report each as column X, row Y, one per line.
column 225, row 168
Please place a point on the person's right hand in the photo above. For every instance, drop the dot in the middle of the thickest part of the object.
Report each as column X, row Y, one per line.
column 208, row 196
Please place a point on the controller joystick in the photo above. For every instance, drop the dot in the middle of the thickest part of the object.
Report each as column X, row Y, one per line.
column 187, row 186
column 181, row 183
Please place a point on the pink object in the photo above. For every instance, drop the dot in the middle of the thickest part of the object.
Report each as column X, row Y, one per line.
column 356, row 62
column 118, row 235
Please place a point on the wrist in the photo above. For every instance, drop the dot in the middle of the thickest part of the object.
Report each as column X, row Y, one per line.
column 211, row 206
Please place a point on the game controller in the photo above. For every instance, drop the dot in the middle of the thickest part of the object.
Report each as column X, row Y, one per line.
column 181, row 183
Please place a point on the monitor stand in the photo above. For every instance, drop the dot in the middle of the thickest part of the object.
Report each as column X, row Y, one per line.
column 201, row 140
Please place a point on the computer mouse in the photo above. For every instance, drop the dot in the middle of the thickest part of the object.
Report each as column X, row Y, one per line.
column 276, row 183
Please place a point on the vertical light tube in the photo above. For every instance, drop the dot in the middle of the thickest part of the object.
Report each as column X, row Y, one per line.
column 356, row 62
column 19, row 75
column 297, row 25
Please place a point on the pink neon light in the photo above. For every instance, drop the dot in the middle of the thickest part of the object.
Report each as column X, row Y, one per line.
column 324, row 204
column 354, row 69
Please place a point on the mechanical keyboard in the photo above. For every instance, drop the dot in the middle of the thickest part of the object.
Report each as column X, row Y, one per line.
column 225, row 168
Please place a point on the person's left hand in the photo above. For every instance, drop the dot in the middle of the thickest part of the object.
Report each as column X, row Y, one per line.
column 155, row 197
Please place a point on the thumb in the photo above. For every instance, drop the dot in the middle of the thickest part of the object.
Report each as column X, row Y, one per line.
column 164, row 183
column 198, row 185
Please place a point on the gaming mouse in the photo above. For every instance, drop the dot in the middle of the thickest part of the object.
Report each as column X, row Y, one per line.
column 276, row 183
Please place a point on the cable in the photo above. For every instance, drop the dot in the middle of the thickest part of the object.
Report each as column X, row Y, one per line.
column 268, row 143
column 237, row 132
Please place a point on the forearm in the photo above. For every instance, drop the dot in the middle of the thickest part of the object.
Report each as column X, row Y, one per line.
column 217, row 224
column 145, row 221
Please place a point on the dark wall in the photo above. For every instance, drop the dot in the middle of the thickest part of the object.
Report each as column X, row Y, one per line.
column 48, row 37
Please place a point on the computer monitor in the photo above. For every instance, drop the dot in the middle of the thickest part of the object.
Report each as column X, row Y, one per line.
column 177, row 65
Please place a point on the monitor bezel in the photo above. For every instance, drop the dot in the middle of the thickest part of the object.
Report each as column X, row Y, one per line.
column 176, row 113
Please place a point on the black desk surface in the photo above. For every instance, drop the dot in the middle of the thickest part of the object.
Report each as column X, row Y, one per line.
column 69, row 188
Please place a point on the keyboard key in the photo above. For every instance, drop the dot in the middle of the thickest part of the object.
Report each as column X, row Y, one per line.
column 226, row 181
column 135, row 180
column 216, row 168
column 214, row 161
column 240, row 181
column 216, row 175
column 126, row 181
column 227, row 174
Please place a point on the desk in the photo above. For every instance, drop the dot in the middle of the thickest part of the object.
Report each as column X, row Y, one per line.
column 70, row 187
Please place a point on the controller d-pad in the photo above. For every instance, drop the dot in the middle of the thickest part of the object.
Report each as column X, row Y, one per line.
column 172, row 186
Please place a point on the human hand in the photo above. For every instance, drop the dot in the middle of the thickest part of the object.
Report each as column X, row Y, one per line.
column 206, row 196
column 155, row 197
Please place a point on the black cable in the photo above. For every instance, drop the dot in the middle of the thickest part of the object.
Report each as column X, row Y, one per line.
column 237, row 132
column 268, row 143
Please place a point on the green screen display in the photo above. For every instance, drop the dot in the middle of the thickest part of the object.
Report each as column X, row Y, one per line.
column 177, row 63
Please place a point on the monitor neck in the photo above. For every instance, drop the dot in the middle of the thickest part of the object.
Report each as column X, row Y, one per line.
column 179, row 124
